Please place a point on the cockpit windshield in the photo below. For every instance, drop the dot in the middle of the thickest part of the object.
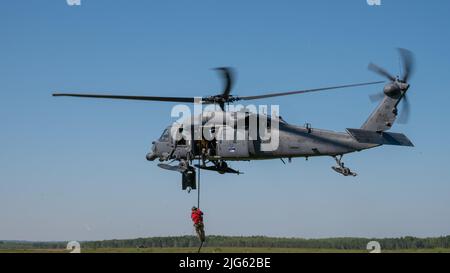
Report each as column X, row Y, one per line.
column 165, row 136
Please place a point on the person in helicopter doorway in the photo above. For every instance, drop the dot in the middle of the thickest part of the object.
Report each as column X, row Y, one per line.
column 197, row 218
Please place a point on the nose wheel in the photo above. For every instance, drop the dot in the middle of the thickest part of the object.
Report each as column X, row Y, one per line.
column 340, row 168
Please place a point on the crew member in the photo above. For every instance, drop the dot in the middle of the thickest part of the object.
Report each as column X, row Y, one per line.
column 197, row 218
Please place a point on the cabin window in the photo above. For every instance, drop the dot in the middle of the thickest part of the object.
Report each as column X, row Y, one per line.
column 165, row 136
column 269, row 123
column 182, row 140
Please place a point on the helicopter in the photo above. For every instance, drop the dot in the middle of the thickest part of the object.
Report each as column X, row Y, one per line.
column 200, row 137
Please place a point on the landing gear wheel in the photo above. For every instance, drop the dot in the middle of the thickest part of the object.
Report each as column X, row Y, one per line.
column 341, row 167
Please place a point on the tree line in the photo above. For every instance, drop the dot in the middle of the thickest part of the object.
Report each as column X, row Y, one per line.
column 407, row 242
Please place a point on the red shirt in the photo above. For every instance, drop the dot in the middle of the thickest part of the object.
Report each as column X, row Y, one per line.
column 197, row 216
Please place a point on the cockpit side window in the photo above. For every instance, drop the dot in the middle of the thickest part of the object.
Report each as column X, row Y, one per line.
column 165, row 136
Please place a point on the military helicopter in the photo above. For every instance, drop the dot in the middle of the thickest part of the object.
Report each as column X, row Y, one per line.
column 213, row 152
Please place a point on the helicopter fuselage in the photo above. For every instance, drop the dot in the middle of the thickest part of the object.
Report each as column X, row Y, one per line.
column 293, row 141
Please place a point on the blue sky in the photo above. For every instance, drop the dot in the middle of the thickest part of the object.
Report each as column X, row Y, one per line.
column 74, row 169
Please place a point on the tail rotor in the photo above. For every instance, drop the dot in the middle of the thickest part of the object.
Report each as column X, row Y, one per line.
column 397, row 86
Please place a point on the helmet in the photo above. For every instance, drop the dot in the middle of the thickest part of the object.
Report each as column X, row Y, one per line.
column 194, row 208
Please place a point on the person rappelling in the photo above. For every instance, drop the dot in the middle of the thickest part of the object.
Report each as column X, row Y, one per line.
column 197, row 218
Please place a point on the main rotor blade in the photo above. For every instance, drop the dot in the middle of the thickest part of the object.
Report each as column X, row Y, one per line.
column 305, row 91
column 120, row 97
column 227, row 74
column 381, row 71
column 406, row 109
column 408, row 63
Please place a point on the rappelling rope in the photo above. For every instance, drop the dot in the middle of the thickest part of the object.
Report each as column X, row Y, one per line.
column 200, row 247
column 198, row 186
column 198, row 200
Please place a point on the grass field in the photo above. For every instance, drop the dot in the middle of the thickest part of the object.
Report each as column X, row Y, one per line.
column 223, row 250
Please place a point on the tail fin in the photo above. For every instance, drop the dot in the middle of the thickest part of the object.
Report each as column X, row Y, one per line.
column 383, row 117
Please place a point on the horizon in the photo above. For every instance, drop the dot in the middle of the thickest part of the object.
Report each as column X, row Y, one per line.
column 235, row 236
